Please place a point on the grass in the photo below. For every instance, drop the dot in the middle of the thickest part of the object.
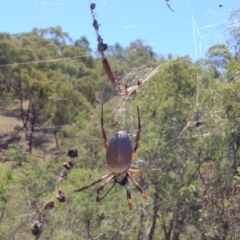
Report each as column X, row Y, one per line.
column 8, row 124
column 8, row 134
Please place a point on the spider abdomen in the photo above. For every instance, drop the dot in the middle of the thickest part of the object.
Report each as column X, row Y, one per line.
column 119, row 153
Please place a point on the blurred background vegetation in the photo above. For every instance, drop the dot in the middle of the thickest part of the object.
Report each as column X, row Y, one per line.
column 50, row 94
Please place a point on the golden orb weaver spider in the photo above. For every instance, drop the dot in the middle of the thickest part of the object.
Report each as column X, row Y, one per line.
column 119, row 156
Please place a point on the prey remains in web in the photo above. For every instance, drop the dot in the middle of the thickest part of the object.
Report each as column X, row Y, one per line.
column 117, row 81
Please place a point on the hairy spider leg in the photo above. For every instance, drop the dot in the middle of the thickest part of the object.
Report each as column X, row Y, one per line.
column 100, row 199
column 137, row 186
column 138, row 135
column 129, row 198
column 137, row 171
column 102, row 187
column 95, row 182
column 103, row 131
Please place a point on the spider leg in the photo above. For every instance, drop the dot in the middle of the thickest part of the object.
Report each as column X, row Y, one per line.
column 138, row 135
column 95, row 182
column 129, row 198
column 102, row 186
column 137, row 171
column 137, row 186
column 103, row 131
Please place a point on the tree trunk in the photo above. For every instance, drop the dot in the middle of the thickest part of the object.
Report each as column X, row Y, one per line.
column 154, row 216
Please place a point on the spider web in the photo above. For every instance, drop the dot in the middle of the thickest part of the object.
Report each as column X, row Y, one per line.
column 200, row 29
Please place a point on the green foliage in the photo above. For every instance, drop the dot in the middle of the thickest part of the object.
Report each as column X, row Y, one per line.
column 189, row 147
column 17, row 154
column 6, row 178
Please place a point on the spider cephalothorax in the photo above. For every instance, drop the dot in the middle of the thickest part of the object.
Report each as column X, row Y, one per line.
column 119, row 156
column 121, row 178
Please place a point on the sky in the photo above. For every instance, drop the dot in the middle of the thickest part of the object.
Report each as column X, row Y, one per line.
column 190, row 29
